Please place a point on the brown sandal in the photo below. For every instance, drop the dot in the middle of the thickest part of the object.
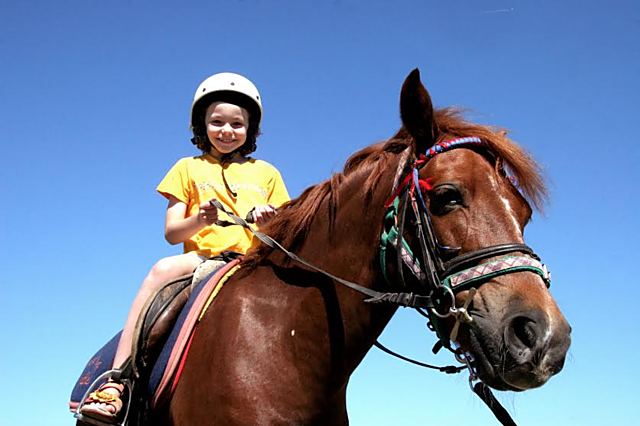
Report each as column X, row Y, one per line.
column 92, row 405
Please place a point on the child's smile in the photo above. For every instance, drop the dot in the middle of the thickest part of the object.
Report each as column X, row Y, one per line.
column 226, row 127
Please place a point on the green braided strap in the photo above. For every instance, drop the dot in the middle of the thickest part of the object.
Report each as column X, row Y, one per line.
column 504, row 265
column 389, row 240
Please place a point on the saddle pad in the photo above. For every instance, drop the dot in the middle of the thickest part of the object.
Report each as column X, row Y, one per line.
column 166, row 363
column 166, row 371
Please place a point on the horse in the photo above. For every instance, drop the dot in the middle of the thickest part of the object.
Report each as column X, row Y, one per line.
column 281, row 340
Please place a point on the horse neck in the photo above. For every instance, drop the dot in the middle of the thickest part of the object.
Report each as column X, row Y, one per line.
column 348, row 244
column 348, row 248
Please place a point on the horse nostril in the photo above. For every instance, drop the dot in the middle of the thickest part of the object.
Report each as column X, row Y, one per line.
column 524, row 329
column 534, row 347
column 523, row 337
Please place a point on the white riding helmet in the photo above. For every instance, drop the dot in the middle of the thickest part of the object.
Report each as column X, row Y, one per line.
column 227, row 86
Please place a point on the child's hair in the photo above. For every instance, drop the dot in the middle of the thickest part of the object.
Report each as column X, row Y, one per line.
column 200, row 138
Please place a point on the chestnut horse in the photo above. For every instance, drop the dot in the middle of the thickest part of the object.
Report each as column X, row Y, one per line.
column 280, row 342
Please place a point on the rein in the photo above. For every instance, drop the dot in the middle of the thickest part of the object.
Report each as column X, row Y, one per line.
column 374, row 295
column 440, row 280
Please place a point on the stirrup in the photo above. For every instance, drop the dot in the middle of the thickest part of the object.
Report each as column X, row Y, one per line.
column 115, row 375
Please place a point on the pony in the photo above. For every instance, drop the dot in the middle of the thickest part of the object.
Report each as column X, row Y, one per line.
column 281, row 340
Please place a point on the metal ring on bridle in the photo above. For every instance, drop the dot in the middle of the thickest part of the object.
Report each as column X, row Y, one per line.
column 452, row 307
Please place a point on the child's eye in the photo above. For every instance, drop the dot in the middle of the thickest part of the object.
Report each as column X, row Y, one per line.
column 216, row 123
column 237, row 124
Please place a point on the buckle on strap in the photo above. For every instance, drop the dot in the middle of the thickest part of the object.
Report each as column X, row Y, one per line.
column 403, row 299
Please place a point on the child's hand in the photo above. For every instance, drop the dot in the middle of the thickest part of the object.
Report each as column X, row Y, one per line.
column 261, row 214
column 208, row 213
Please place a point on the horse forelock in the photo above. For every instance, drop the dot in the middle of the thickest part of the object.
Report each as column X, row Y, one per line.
column 517, row 161
column 294, row 219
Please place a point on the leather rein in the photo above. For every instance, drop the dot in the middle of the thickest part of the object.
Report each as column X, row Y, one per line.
column 439, row 280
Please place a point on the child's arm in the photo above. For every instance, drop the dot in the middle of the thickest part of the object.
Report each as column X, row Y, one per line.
column 178, row 227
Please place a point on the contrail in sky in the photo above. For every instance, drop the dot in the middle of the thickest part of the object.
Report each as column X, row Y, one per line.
column 511, row 9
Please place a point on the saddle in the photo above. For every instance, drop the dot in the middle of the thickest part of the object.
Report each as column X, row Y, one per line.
column 163, row 331
column 161, row 312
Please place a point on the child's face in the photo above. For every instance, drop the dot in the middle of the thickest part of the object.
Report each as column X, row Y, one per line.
column 226, row 126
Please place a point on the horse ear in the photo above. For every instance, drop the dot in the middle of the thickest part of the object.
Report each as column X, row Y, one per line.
column 416, row 111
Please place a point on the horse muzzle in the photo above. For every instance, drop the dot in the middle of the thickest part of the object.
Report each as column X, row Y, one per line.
column 526, row 349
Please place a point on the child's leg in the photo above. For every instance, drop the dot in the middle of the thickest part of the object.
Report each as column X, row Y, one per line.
column 163, row 271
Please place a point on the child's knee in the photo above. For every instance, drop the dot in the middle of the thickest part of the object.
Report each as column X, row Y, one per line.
column 161, row 271
column 169, row 268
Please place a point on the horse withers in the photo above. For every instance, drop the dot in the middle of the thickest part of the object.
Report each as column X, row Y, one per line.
column 280, row 342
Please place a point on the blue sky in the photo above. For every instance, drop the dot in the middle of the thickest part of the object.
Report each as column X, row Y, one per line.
column 94, row 104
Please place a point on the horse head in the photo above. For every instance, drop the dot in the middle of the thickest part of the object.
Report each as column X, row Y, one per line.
column 476, row 199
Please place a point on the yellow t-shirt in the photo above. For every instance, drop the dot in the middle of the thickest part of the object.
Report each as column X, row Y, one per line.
column 194, row 180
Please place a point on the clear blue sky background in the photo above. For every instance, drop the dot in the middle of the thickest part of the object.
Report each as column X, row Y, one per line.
column 94, row 106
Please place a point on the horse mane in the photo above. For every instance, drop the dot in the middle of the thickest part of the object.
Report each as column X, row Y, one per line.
column 291, row 224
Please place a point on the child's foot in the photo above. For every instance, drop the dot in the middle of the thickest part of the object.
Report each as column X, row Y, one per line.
column 105, row 403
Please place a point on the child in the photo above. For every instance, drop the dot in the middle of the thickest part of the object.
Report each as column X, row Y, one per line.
column 225, row 120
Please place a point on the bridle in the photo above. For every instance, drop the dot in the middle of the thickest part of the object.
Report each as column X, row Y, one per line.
column 439, row 280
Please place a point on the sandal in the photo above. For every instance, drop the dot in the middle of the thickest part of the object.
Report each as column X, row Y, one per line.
column 95, row 406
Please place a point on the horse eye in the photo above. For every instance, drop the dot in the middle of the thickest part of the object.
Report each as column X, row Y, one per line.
column 444, row 199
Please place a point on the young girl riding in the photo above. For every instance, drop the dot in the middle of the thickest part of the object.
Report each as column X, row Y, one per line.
column 225, row 120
